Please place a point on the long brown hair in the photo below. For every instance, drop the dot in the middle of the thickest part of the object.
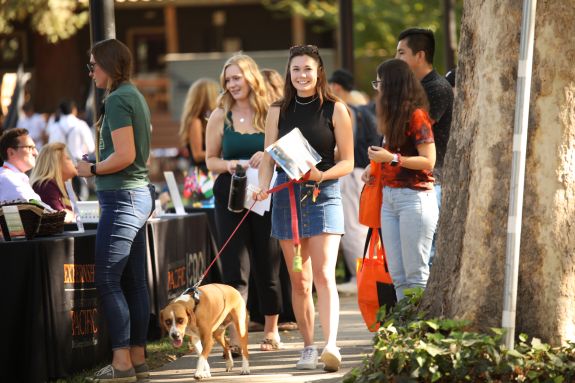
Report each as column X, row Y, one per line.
column 115, row 59
column 400, row 93
column 200, row 101
column 258, row 96
column 321, row 87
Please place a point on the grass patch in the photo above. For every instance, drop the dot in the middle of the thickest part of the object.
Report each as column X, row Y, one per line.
column 159, row 353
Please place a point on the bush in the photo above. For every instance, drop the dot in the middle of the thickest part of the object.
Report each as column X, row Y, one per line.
column 410, row 348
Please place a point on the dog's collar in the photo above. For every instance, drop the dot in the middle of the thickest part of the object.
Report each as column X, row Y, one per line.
column 194, row 292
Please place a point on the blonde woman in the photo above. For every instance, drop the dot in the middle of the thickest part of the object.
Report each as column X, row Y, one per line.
column 274, row 84
column 235, row 135
column 199, row 104
column 53, row 168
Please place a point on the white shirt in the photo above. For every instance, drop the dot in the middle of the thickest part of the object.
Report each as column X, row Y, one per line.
column 73, row 132
column 15, row 185
column 35, row 125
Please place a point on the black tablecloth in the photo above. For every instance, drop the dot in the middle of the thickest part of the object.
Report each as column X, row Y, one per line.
column 52, row 324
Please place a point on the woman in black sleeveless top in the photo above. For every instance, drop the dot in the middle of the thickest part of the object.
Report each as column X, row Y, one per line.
column 325, row 122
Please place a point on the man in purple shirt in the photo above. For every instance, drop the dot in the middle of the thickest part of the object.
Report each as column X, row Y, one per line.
column 18, row 152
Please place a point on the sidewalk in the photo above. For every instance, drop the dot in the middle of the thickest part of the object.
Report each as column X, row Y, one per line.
column 354, row 340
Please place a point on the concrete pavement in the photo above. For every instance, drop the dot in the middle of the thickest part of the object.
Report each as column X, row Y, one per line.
column 354, row 340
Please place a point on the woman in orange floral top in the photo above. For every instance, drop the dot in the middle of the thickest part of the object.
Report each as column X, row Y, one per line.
column 409, row 212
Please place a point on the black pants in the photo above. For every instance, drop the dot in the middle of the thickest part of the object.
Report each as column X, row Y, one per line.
column 250, row 247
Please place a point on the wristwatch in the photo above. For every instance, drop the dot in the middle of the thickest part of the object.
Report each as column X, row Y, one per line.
column 395, row 160
column 93, row 169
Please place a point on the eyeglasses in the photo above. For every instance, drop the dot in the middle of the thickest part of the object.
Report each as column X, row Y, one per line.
column 375, row 84
column 29, row 147
column 91, row 67
column 297, row 50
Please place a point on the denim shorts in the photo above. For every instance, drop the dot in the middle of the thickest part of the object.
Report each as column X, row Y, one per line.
column 325, row 215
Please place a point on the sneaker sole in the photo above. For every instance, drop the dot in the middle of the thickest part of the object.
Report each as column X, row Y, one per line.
column 330, row 362
column 305, row 367
column 130, row 379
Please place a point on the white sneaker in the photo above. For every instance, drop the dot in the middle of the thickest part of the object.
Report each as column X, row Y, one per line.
column 348, row 288
column 331, row 359
column 308, row 359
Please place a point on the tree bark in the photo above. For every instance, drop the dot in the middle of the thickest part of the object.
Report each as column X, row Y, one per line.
column 467, row 276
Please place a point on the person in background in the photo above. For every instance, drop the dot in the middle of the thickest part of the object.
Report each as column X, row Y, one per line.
column 200, row 101
column 450, row 77
column 235, row 136
column 325, row 122
column 18, row 153
column 274, row 84
column 409, row 211
column 67, row 128
column 34, row 123
column 365, row 135
column 126, row 200
column 416, row 46
column 275, row 87
column 53, row 168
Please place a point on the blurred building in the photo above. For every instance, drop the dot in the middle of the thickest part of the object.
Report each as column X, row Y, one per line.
column 173, row 42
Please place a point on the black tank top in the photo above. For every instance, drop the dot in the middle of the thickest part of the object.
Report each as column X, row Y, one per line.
column 316, row 125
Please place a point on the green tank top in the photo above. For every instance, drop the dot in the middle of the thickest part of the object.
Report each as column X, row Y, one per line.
column 238, row 146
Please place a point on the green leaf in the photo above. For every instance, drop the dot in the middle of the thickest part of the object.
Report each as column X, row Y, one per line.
column 515, row 354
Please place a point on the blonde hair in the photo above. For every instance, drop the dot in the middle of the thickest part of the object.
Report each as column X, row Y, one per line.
column 274, row 83
column 49, row 167
column 258, row 97
column 201, row 99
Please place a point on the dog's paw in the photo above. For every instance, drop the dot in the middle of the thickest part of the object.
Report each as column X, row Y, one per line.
column 202, row 375
column 229, row 364
column 245, row 367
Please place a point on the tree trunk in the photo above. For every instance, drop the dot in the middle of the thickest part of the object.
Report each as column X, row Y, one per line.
column 467, row 276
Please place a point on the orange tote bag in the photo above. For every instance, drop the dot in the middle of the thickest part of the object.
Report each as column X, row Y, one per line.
column 374, row 285
column 371, row 198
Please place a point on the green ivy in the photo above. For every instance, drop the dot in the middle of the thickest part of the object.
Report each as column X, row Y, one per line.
column 410, row 348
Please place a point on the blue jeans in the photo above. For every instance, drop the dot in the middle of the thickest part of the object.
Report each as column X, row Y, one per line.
column 121, row 264
column 437, row 188
column 408, row 221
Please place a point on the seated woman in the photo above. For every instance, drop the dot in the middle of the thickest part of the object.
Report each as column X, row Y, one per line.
column 53, row 168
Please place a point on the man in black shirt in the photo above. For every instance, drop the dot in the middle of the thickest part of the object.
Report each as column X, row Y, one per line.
column 416, row 47
column 365, row 134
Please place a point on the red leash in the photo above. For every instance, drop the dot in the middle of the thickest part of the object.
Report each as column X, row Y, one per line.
column 294, row 226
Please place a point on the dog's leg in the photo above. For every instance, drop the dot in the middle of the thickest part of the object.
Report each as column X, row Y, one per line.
column 202, row 366
column 220, row 336
column 207, row 342
column 240, row 319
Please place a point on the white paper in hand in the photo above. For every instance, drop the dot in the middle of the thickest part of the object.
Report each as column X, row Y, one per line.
column 259, row 207
column 293, row 152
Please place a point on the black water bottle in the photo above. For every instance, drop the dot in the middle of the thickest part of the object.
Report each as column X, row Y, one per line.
column 237, row 190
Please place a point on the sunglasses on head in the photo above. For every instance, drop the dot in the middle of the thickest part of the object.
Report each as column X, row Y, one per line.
column 297, row 50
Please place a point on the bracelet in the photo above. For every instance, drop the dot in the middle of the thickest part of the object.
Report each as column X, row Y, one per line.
column 320, row 178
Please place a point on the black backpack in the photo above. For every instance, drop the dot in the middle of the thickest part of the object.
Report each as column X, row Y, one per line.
column 365, row 133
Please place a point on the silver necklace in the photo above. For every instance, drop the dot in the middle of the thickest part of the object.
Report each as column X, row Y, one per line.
column 305, row 103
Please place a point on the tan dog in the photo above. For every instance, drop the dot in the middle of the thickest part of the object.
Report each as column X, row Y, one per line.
column 218, row 306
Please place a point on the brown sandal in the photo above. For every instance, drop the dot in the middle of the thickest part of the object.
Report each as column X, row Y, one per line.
column 270, row 345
